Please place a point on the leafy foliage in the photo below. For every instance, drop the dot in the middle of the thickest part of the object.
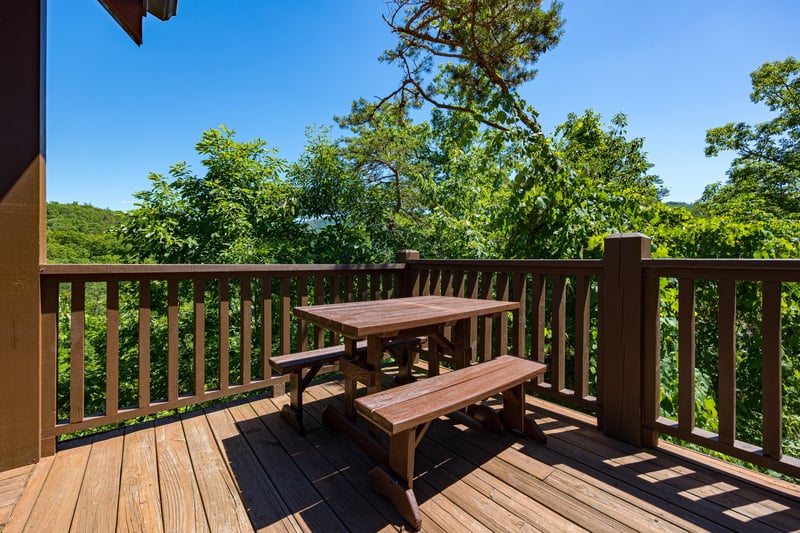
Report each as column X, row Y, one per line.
column 765, row 175
column 241, row 211
column 82, row 234
column 482, row 52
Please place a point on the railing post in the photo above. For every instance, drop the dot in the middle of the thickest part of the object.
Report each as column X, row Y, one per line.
column 620, row 364
column 22, row 239
column 408, row 279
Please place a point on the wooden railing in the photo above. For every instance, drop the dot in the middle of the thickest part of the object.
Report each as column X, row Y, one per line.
column 556, row 323
column 722, row 276
column 597, row 324
column 254, row 301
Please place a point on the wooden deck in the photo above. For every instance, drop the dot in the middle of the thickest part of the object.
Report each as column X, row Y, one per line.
column 241, row 468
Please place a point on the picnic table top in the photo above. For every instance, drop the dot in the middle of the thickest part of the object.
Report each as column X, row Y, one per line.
column 391, row 316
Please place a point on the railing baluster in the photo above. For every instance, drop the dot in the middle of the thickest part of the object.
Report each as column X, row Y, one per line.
column 286, row 314
column 537, row 321
column 172, row 340
column 375, row 286
column 266, row 325
column 471, row 291
column 224, row 333
column 246, row 340
column 362, row 287
column 485, row 333
column 447, row 282
column 686, row 354
column 199, row 337
column 349, row 288
column 557, row 343
column 77, row 352
column 458, row 283
column 424, row 283
column 302, row 299
column 112, row 347
column 387, row 286
column 771, row 380
column 49, row 298
column 144, row 343
column 727, row 361
column 581, row 365
column 518, row 326
column 651, row 365
column 501, row 293
column 336, row 298
column 436, row 282
column 319, row 299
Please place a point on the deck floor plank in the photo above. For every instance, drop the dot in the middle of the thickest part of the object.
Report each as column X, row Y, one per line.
column 98, row 500
column 181, row 503
column 139, row 498
column 301, row 499
column 223, row 506
column 21, row 510
column 442, row 511
column 729, row 502
column 339, row 493
column 239, row 467
column 55, row 506
column 266, row 509
column 12, row 483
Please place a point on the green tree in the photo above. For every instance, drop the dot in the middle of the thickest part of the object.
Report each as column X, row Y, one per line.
column 347, row 215
column 765, row 175
column 602, row 185
column 241, row 211
column 482, row 51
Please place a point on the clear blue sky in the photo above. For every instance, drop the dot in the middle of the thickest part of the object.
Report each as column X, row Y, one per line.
column 269, row 68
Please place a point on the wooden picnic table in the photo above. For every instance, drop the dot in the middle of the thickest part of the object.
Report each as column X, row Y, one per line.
column 404, row 413
column 379, row 321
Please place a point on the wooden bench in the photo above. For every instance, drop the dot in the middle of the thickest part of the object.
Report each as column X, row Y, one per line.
column 405, row 413
column 304, row 366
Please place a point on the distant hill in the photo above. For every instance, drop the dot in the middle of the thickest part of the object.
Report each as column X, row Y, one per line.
column 82, row 234
column 685, row 205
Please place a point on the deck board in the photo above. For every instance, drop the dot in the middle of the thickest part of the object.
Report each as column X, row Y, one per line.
column 139, row 498
column 239, row 467
column 99, row 494
column 181, row 503
column 224, row 508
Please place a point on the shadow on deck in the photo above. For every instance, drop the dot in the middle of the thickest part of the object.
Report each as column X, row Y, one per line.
column 239, row 467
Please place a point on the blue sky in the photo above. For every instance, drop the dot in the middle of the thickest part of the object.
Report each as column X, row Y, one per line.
column 269, row 68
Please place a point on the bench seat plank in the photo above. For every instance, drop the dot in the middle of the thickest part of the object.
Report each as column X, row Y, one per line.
column 405, row 413
column 284, row 364
column 402, row 408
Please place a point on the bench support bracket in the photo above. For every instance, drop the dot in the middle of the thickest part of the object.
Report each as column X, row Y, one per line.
column 383, row 481
column 293, row 412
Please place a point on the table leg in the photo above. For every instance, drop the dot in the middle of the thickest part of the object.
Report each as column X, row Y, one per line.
column 464, row 343
column 375, row 349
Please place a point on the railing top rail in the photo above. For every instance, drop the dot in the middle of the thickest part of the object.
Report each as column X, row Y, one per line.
column 106, row 272
column 738, row 269
column 559, row 266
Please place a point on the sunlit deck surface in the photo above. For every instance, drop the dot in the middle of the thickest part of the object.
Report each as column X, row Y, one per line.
column 239, row 467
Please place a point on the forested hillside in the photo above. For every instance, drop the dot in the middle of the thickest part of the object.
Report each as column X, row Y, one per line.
column 83, row 234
